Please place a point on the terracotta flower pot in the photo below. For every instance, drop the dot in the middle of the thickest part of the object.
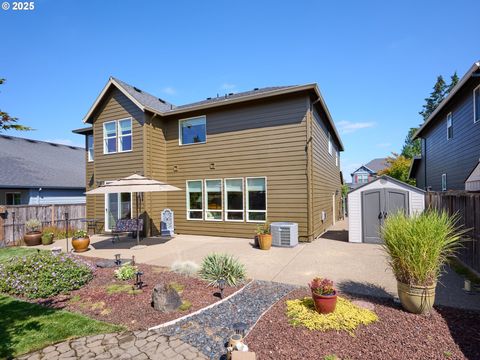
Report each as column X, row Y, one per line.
column 81, row 244
column 416, row 299
column 325, row 304
column 33, row 238
column 265, row 241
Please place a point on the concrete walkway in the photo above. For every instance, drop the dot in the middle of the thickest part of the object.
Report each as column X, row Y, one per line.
column 356, row 268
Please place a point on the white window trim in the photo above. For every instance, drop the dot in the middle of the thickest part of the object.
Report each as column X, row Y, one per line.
column 226, row 211
column 180, row 130
column 187, row 200
column 475, row 105
column 119, row 136
column 13, row 193
column 118, row 196
column 337, row 157
column 205, row 194
column 90, row 158
column 444, row 176
column 330, row 145
column 247, row 211
column 104, row 137
column 449, row 115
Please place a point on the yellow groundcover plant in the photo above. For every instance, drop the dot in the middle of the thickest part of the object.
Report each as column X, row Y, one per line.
column 347, row 316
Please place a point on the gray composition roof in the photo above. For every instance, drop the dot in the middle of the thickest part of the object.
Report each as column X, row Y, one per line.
column 26, row 163
column 377, row 164
column 145, row 98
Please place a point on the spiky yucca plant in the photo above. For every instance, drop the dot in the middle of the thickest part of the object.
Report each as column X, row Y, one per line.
column 419, row 246
column 222, row 266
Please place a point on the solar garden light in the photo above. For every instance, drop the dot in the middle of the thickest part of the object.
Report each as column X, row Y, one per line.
column 133, row 260
column 467, row 286
column 138, row 281
column 221, row 285
column 117, row 259
column 240, row 328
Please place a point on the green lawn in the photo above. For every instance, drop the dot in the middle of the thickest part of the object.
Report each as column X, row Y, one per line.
column 8, row 252
column 25, row 327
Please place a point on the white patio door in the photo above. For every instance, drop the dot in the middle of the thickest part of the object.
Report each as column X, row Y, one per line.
column 117, row 206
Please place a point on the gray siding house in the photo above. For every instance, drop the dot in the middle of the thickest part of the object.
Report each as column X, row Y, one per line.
column 37, row 172
column 367, row 173
column 450, row 138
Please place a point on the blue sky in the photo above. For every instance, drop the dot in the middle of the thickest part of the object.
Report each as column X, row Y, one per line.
column 375, row 61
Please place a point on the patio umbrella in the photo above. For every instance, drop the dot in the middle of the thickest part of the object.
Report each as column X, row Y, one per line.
column 133, row 184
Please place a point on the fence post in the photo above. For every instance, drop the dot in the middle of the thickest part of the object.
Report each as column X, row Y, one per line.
column 66, row 228
column 3, row 214
column 53, row 215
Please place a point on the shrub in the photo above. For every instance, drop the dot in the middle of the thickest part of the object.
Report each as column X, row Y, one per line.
column 346, row 317
column 187, row 268
column 79, row 234
column 186, row 305
column 222, row 266
column 43, row 274
column 263, row 229
column 126, row 272
column 33, row 225
column 321, row 286
column 58, row 232
column 420, row 245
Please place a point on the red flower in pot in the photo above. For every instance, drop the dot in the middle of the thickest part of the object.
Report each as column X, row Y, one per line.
column 324, row 295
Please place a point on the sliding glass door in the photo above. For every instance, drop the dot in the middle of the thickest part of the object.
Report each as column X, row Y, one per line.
column 117, row 206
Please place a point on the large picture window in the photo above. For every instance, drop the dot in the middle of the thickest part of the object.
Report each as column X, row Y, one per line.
column 213, row 200
column 193, row 130
column 256, row 199
column 110, row 137
column 90, row 147
column 194, row 200
column 234, row 199
column 125, row 135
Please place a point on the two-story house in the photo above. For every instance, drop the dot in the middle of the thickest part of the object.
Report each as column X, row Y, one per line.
column 450, row 138
column 269, row 154
column 368, row 172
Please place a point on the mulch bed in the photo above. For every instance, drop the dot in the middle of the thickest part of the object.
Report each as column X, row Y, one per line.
column 447, row 333
column 134, row 311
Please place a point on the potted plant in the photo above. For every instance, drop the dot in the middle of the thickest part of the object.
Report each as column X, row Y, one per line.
column 264, row 236
column 418, row 247
column 33, row 236
column 47, row 238
column 324, row 295
column 80, row 241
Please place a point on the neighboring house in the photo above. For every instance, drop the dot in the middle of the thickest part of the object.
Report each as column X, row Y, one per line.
column 367, row 173
column 450, row 139
column 39, row 172
column 240, row 159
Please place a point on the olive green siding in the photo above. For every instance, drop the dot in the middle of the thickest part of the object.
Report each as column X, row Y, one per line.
column 260, row 138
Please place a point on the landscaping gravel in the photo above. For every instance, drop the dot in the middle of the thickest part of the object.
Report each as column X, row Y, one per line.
column 210, row 330
column 446, row 333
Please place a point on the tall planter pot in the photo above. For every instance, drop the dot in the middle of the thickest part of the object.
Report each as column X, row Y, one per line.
column 325, row 304
column 33, row 238
column 81, row 244
column 416, row 299
column 265, row 241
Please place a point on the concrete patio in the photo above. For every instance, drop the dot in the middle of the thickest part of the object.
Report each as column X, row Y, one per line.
column 357, row 268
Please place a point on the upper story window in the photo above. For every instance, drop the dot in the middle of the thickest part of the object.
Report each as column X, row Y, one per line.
column 449, row 126
column 476, row 104
column 192, row 130
column 90, row 147
column 444, row 182
column 117, row 136
column 362, row 178
column 330, row 145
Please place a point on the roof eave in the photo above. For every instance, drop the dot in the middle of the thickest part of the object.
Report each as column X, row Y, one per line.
column 455, row 89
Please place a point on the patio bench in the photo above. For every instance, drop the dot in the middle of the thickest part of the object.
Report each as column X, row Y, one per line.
column 126, row 225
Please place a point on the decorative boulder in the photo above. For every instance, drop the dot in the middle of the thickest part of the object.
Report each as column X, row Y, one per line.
column 165, row 298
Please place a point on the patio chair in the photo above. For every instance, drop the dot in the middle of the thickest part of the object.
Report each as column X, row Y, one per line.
column 126, row 225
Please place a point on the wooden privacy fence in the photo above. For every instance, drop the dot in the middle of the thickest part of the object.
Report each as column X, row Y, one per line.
column 467, row 206
column 13, row 218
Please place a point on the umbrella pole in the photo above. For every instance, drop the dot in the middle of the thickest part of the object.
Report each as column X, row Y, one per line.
column 138, row 230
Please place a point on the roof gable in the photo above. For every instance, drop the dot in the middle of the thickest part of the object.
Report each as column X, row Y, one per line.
column 363, row 168
column 388, row 178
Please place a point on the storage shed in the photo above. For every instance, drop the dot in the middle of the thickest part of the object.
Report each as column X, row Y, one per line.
column 370, row 204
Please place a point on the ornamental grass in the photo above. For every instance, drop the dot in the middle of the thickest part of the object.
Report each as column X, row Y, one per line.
column 346, row 317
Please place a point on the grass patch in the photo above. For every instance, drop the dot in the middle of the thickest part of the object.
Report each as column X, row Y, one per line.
column 75, row 299
column 9, row 252
column 462, row 270
column 186, row 305
column 331, row 357
column 121, row 288
column 346, row 317
column 177, row 287
column 25, row 327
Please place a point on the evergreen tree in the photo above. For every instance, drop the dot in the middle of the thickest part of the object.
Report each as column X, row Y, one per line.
column 436, row 96
column 411, row 147
column 453, row 81
column 7, row 122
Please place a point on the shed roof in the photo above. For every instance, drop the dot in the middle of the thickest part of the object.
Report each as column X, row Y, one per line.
column 389, row 178
column 28, row 163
